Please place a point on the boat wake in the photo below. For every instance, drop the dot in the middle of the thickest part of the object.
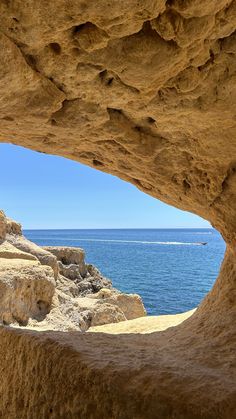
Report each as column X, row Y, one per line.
column 167, row 243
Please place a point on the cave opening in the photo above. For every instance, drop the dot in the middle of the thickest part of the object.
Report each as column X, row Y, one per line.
column 144, row 91
column 170, row 268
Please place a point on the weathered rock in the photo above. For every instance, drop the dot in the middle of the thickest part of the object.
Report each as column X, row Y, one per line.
column 31, row 298
column 69, row 256
column 93, row 283
column 71, row 271
column 144, row 91
column 84, row 309
column 12, row 227
column 45, row 258
column 8, row 251
column 3, row 228
column 147, row 324
column 71, row 265
column 131, row 305
column 107, row 313
column 67, row 286
column 26, row 291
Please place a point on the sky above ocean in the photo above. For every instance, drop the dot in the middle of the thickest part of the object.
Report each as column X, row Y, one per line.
column 50, row 192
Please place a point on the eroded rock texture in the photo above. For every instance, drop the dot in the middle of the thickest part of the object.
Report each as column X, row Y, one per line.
column 145, row 91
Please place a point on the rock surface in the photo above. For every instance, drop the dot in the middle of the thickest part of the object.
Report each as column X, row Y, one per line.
column 130, row 304
column 52, row 288
column 26, row 246
column 142, row 90
column 148, row 324
column 145, row 91
column 69, row 256
column 26, row 291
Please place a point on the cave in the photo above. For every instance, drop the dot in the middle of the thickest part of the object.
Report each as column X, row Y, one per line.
column 144, row 91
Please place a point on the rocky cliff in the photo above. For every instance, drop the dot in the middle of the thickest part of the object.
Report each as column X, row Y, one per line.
column 54, row 289
column 145, row 91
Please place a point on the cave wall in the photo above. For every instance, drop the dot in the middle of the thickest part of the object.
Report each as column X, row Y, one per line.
column 145, row 91
column 185, row 372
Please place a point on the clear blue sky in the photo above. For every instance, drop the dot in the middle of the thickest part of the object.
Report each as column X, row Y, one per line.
column 43, row 191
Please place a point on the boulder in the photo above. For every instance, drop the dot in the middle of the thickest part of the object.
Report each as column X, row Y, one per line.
column 69, row 256
column 107, row 313
column 131, row 305
column 26, row 290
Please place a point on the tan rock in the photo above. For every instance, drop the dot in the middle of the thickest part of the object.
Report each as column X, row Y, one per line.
column 26, row 290
column 144, row 91
column 69, row 256
column 26, row 246
column 2, row 226
column 12, row 227
column 64, row 307
column 8, row 251
column 107, row 313
column 148, row 324
column 131, row 305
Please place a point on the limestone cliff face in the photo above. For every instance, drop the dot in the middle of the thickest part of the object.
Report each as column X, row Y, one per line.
column 142, row 90
column 145, row 91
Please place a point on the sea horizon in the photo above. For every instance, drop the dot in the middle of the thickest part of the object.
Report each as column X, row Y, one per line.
column 169, row 268
column 123, row 228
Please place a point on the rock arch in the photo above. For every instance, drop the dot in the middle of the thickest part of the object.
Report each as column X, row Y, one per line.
column 145, row 91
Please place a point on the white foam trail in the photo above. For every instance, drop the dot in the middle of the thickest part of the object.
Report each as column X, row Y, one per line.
column 205, row 232
column 123, row 241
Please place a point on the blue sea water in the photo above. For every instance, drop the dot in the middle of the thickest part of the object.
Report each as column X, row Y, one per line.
column 169, row 268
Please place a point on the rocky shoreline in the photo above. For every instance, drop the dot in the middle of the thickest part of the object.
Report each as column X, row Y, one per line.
column 52, row 288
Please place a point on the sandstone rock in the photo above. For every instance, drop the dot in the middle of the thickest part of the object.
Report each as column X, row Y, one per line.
column 67, row 286
column 8, row 251
column 144, row 91
column 2, row 225
column 69, row 256
column 84, row 309
column 12, row 227
column 26, row 291
column 71, row 265
column 71, row 271
column 45, row 258
column 70, row 280
column 107, row 313
column 131, row 305
column 65, row 315
column 31, row 299
column 148, row 324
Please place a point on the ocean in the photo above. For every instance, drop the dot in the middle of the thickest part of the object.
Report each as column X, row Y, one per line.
column 169, row 268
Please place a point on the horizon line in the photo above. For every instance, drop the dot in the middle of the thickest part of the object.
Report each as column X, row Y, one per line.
column 123, row 228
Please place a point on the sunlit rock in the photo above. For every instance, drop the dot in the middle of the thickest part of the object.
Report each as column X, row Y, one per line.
column 145, row 91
